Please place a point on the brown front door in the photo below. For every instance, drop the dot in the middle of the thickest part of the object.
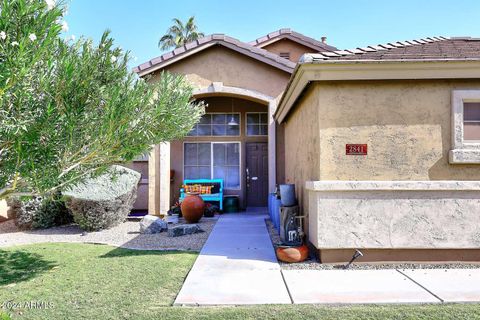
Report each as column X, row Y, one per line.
column 257, row 174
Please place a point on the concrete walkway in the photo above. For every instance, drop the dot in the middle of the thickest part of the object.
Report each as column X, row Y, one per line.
column 238, row 266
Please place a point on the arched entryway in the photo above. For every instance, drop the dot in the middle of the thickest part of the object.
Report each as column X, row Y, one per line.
column 199, row 154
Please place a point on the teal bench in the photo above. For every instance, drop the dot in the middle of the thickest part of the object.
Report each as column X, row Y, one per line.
column 217, row 190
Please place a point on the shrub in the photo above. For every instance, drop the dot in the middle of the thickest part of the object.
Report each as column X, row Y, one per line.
column 104, row 201
column 175, row 209
column 54, row 212
column 38, row 212
column 72, row 108
column 211, row 210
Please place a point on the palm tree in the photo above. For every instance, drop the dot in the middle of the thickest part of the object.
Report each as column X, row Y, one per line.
column 179, row 34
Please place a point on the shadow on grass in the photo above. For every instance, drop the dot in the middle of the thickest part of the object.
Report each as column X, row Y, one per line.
column 17, row 266
column 123, row 252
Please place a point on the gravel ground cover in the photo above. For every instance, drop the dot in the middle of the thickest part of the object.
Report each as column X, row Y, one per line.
column 314, row 264
column 126, row 235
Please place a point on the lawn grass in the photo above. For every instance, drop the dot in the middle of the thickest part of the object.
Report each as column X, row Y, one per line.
column 85, row 281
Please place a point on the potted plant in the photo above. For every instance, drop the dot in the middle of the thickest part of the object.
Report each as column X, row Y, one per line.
column 175, row 210
column 210, row 210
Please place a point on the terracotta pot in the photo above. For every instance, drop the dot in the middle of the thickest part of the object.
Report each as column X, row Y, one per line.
column 292, row 254
column 192, row 207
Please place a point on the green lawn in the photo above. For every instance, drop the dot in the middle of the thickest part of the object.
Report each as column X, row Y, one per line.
column 80, row 281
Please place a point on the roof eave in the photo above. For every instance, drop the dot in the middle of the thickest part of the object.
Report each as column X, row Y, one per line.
column 309, row 70
column 294, row 39
column 278, row 62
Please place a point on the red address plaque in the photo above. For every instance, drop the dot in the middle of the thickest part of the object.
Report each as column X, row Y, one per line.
column 356, row 149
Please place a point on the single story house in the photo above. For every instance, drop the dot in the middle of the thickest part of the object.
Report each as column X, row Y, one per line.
column 381, row 142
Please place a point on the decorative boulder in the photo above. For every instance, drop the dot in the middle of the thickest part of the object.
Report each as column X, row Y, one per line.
column 105, row 201
column 152, row 224
column 184, row 229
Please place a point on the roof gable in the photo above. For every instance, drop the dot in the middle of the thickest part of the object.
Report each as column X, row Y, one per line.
column 209, row 41
column 293, row 36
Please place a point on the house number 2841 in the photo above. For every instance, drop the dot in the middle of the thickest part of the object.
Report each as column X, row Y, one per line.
column 356, row 149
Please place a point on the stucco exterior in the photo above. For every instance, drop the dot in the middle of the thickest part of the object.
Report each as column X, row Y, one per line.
column 394, row 214
column 302, row 144
column 296, row 50
column 407, row 125
column 3, row 210
column 219, row 64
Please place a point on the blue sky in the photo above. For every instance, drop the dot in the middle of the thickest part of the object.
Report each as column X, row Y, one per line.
column 138, row 24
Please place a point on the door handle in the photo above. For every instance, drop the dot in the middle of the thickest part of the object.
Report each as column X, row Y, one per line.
column 254, row 178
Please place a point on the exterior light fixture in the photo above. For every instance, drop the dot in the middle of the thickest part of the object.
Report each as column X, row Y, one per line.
column 232, row 121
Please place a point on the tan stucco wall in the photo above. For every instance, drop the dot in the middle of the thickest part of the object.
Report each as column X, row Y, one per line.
column 302, row 144
column 406, row 124
column 285, row 45
column 218, row 104
column 3, row 210
column 219, row 64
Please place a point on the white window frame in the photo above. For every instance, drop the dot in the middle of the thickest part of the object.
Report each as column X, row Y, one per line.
column 259, row 124
column 228, row 136
column 239, row 143
column 463, row 151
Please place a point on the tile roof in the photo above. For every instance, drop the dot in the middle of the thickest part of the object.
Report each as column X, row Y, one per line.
column 211, row 40
column 432, row 48
column 292, row 35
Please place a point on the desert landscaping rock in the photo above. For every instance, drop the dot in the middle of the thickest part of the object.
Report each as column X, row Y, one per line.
column 184, row 229
column 105, row 201
column 172, row 219
column 313, row 264
column 152, row 224
column 125, row 235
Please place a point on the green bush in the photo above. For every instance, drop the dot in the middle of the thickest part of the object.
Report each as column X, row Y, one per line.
column 4, row 316
column 69, row 109
column 104, row 201
column 53, row 212
column 40, row 213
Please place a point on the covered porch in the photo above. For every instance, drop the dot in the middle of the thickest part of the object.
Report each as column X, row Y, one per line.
column 234, row 141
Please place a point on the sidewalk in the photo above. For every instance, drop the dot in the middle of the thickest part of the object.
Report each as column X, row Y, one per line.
column 237, row 266
column 383, row 286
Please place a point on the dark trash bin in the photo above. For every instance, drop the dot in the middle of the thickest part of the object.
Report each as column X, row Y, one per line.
column 231, row 204
column 287, row 195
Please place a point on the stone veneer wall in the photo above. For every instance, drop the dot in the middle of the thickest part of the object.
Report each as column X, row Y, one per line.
column 394, row 214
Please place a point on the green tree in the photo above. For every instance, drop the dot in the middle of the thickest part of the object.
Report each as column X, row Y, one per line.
column 179, row 34
column 69, row 109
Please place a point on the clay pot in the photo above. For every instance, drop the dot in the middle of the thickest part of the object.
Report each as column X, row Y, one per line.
column 192, row 207
column 292, row 254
